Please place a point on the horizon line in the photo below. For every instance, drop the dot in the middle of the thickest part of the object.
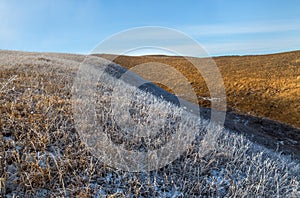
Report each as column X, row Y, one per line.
column 170, row 55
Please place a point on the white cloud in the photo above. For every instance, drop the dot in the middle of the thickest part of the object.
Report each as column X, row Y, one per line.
column 247, row 38
column 150, row 39
column 242, row 28
column 254, row 46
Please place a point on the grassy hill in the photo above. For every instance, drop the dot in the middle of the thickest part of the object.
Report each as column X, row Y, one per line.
column 261, row 85
column 43, row 153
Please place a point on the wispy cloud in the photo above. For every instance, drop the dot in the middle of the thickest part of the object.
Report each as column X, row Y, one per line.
column 242, row 28
column 247, row 38
column 253, row 46
column 236, row 47
column 76, row 26
column 150, row 40
column 160, row 42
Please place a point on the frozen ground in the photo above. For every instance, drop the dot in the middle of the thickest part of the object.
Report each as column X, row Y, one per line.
column 43, row 153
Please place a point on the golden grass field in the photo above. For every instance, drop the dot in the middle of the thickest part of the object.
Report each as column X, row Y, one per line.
column 261, row 85
column 42, row 153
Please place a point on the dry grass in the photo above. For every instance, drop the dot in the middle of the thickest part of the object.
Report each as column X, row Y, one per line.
column 264, row 86
column 42, row 155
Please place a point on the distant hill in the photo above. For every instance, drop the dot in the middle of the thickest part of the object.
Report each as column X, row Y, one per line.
column 259, row 85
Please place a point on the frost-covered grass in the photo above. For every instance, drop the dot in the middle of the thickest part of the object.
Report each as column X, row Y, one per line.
column 42, row 153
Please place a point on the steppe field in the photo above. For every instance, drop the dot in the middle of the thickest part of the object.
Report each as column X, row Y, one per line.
column 256, row 154
column 264, row 86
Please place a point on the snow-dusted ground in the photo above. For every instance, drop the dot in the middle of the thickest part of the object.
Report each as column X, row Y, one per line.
column 217, row 163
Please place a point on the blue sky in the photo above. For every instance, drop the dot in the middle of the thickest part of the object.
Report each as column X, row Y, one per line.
column 222, row 27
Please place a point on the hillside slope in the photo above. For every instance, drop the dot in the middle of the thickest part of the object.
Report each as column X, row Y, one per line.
column 43, row 152
column 261, row 85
